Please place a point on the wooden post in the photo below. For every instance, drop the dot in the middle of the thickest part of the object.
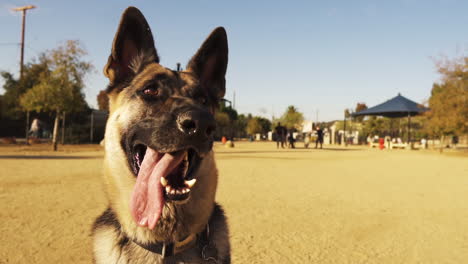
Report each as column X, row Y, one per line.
column 92, row 127
column 27, row 128
column 409, row 129
column 63, row 129
column 54, row 136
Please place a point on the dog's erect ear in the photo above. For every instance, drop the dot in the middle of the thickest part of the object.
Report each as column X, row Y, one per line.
column 210, row 63
column 133, row 45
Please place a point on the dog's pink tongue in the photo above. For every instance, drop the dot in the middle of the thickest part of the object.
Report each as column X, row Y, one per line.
column 147, row 198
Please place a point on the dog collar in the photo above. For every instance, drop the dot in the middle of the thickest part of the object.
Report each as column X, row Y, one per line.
column 169, row 249
column 208, row 250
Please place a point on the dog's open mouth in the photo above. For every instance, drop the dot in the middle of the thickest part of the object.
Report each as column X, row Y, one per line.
column 161, row 177
column 180, row 180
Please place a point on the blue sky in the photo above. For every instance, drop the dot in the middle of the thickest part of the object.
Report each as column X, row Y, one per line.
column 320, row 56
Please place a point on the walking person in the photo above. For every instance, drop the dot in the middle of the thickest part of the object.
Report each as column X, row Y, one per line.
column 291, row 139
column 280, row 135
column 319, row 137
column 36, row 128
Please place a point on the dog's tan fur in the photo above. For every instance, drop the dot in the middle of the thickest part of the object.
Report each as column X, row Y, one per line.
column 115, row 231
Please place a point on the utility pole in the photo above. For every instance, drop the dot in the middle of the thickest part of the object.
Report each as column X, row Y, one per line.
column 23, row 9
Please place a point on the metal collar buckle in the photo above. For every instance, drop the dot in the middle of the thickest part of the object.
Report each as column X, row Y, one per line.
column 209, row 251
column 167, row 250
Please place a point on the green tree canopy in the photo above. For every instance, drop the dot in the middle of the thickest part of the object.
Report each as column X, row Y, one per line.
column 449, row 99
column 257, row 124
column 360, row 107
column 253, row 126
column 14, row 87
column 240, row 125
column 265, row 124
column 59, row 88
column 231, row 112
column 226, row 119
column 292, row 118
column 222, row 119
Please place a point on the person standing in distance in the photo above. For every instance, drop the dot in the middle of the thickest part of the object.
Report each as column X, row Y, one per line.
column 280, row 135
column 319, row 137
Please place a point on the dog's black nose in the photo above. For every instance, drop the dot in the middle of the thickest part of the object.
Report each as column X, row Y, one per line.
column 196, row 123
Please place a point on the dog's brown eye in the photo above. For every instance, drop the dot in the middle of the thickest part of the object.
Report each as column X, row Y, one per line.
column 151, row 91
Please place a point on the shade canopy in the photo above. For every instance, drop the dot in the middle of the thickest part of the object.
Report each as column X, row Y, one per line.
column 398, row 106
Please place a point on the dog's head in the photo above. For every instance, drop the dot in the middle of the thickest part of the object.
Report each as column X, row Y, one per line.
column 161, row 121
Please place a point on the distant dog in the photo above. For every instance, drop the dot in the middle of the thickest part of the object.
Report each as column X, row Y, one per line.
column 160, row 173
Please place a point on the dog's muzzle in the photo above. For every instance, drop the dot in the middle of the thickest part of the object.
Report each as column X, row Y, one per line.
column 196, row 124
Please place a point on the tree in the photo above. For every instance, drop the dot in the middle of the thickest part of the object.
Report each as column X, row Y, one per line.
column 60, row 87
column 240, row 125
column 292, row 118
column 265, row 124
column 257, row 124
column 253, row 126
column 449, row 99
column 360, row 107
column 14, row 87
column 225, row 118
column 376, row 126
column 222, row 119
column 103, row 100
column 347, row 113
column 231, row 112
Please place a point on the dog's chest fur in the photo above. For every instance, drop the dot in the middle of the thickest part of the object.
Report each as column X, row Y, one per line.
column 112, row 245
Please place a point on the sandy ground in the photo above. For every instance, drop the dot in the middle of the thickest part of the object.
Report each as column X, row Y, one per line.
column 337, row 205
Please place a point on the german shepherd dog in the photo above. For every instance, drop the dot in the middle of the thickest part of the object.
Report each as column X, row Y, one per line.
column 159, row 170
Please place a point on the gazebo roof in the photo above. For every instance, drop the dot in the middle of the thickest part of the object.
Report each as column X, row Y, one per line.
column 398, row 106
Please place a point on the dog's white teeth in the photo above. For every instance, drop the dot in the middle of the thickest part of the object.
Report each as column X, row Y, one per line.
column 173, row 191
column 190, row 183
column 163, row 182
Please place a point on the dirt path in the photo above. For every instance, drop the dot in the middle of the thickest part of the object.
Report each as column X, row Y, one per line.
column 288, row 206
